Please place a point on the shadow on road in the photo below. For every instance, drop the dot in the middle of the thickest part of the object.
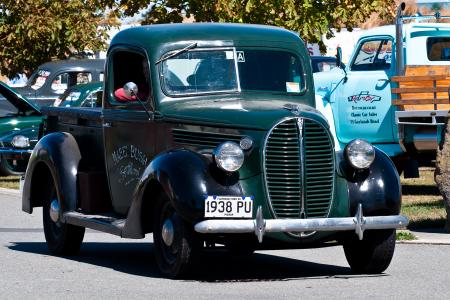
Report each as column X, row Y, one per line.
column 420, row 190
column 215, row 266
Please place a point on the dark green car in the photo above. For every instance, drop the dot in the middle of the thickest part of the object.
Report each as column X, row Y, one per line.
column 82, row 95
column 208, row 136
column 19, row 124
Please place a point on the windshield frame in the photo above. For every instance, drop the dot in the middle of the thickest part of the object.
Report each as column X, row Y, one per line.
column 238, row 79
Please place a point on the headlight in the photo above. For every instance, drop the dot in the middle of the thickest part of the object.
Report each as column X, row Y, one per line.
column 229, row 156
column 360, row 154
column 20, row 141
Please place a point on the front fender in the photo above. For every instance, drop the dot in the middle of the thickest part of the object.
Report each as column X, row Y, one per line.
column 60, row 153
column 186, row 177
column 378, row 188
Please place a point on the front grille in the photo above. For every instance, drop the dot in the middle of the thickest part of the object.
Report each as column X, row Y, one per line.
column 202, row 139
column 299, row 169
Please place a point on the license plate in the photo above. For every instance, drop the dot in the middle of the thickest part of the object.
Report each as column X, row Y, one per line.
column 228, row 207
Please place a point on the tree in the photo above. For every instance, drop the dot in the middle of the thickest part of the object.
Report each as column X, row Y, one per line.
column 35, row 31
column 310, row 18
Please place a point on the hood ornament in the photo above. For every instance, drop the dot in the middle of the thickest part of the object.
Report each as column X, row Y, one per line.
column 292, row 108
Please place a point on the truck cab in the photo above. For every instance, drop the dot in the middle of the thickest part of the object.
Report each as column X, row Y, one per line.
column 386, row 93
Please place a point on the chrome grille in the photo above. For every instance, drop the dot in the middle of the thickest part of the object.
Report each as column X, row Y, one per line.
column 299, row 169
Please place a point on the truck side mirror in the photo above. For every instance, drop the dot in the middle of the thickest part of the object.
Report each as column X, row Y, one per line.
column 130, row 89
column 339, row 57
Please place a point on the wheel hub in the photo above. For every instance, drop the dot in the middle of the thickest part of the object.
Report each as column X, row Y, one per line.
column 54, row 211
column 167, row 232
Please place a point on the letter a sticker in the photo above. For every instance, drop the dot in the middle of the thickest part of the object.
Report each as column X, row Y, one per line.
column 240, row 56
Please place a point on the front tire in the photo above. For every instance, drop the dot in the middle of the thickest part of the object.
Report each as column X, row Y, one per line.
column 61, row 238
column 176, row 245
column 373, row 254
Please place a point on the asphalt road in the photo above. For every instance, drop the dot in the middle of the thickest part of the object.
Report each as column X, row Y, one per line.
column 109, row 267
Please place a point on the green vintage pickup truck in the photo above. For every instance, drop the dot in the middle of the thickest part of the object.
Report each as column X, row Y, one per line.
column 208, row 135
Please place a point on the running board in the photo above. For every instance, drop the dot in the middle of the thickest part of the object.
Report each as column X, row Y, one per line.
column 96, row 222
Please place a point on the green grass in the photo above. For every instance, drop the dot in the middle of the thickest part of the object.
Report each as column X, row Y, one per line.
column 421, row 201
column 10, row 182
column 405, row 236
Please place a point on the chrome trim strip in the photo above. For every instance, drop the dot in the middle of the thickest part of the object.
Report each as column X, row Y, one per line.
column 260, row 226
column 302, row 169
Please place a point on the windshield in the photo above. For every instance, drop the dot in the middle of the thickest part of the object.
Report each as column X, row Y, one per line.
column 38, row 78
column 230, row 70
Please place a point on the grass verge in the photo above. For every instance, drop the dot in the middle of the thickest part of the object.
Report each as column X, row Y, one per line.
column 421, row 201
column 10, row 182
column 405, row 236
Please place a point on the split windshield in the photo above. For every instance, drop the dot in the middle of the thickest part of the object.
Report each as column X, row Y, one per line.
column 230, row 70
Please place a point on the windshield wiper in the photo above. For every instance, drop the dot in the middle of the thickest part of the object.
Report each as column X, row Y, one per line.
column 176, row 53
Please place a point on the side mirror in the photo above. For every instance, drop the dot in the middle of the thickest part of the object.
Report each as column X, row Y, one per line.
column 339, row 57
column 130, row 89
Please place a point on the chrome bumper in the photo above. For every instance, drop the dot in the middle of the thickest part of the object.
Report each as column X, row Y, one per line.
column 13, row 153
column 260, row 226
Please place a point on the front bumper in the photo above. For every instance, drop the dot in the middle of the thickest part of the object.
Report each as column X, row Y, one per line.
column 259, row 226
column 12, row 153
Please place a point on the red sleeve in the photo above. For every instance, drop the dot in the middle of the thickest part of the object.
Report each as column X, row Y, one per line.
column 121, row 97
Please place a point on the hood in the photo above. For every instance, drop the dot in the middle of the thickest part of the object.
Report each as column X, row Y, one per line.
column 237, row 112
column 18, row 100
column 325, row 82
column 13, row 124
column 30, row 132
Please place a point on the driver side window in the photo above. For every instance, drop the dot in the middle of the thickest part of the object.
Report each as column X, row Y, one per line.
column 373, row 55
column 129, row 66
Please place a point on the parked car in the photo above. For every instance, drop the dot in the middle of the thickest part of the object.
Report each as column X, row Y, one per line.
column 52, row 79
column 16, row 114
column 16, row 144
column 322, row 63
column 214, row 139
column 82, row 95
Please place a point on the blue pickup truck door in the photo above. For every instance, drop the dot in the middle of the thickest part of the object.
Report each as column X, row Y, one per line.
column 364, row 100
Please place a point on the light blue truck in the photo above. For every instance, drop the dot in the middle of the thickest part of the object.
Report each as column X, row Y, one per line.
column 394, row 91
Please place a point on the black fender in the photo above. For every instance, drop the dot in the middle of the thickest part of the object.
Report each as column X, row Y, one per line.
column 186, row 177
column 60, row 153
column 377, row 188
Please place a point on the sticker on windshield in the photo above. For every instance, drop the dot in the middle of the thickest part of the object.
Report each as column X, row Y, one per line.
column 229, row 54
column 292, row 87
column 240, row 56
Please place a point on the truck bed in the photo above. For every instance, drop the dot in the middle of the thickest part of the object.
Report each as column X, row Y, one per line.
column 422, row 88
column 85, row 124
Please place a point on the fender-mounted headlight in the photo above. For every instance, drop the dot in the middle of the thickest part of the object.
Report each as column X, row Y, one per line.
column 229, row 156
column 360, row 154
column 20, row 141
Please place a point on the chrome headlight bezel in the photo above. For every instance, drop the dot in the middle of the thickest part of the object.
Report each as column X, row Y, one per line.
column 20, row 141
column 229, row 156
column 360, row 154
